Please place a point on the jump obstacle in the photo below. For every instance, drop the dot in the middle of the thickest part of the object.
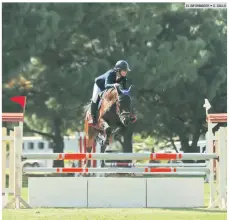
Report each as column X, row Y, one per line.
column 121, row 156
column 14, row 141
column 125, row 192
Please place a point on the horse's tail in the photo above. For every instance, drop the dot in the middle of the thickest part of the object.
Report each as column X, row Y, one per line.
column 86, row 127
column 87, row 107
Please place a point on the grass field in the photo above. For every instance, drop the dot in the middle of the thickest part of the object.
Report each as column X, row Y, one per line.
column 117, row 214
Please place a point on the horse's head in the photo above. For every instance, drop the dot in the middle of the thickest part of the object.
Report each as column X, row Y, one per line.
column 124, row 105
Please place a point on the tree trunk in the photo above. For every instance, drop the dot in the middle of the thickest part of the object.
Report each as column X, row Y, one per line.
column 127, row 143
column 185, row 147
column 195, row 139
column 190, row 148
column 58, row 142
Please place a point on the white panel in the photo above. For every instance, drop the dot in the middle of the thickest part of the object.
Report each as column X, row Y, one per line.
column 175, row 192
column 57, row 192
column 4, row 199
column 116, row 192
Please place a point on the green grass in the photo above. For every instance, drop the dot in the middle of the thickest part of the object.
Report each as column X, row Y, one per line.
column 110, row 214
column 115, row 213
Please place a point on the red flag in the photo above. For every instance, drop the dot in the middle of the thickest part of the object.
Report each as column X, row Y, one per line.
column 21, row 100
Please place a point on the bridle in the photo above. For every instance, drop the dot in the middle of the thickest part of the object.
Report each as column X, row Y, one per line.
column 117, row 102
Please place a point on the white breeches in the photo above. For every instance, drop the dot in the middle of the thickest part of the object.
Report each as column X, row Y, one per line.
column 96, row 91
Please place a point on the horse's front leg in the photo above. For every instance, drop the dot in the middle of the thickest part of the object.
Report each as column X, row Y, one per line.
column 107, row 130
column 117, row 133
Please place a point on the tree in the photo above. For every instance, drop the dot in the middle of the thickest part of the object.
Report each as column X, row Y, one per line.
column 53, row 75
column 177, row 58
column 181, row 71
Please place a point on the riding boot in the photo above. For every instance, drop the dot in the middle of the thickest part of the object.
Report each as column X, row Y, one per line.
column 94, row 107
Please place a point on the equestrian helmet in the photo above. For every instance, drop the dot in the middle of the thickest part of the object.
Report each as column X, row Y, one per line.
column 122, row 65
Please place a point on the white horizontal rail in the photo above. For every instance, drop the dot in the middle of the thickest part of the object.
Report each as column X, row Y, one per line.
column 115, row 164
column 117, row 170
column 120, row 156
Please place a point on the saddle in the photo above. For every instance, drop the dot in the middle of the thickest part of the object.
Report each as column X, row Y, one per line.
column 102, row 93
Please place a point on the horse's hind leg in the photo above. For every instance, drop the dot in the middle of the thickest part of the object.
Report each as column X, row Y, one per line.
column 107, row 130
column 103, row 148
column 90, row 133
column 89, row 145
column 88, row 162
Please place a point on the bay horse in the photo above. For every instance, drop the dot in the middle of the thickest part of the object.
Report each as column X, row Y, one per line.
column 113, row 115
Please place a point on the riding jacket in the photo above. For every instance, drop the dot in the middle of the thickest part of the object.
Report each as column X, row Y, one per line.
column 108, row 79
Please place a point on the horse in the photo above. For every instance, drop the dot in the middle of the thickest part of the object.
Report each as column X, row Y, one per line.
column 113, row 116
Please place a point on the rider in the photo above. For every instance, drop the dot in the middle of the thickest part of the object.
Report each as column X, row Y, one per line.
column 111, row 78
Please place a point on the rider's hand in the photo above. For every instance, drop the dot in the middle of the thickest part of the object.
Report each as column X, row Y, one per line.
column 116, row 84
